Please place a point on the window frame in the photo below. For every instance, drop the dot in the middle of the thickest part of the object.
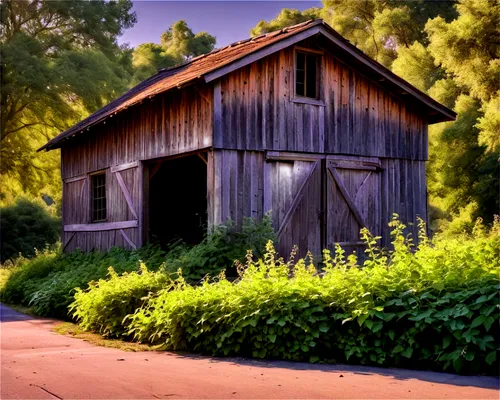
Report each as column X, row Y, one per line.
column 318, row 54
column 92, row 176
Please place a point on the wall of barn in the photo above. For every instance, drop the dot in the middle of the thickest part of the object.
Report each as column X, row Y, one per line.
column 176, row 122
column 255, row 110
column 255, row 113
column 251, row 183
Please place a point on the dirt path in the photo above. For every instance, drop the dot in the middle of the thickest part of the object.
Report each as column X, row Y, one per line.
column 37, row 363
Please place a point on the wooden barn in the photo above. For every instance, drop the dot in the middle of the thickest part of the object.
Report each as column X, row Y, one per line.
column 298, row 122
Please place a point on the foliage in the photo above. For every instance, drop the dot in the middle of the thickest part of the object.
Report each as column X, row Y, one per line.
column 59, row 61
column 436, row 307
column 178, row 44
column 102, row 307
column 26, row 226
column 378, row 28
column 286, row 17
column 464, row 178
column 47, row 282
column 219, row 249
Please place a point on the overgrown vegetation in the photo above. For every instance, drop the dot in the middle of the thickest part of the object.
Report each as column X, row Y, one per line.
column 26, row 226
column 433, row 307
column 47, row 283
column 220, row 248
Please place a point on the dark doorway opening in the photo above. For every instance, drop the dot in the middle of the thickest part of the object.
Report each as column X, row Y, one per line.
column 178, row 200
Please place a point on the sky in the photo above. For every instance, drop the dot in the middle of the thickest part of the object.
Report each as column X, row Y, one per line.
column 228, row 21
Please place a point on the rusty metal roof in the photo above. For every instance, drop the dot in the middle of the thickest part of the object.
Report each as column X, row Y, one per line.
column 196, row 69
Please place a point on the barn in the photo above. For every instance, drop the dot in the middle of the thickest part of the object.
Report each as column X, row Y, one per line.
column 297, row 122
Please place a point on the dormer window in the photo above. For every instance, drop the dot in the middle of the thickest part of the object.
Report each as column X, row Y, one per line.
column 306, row 75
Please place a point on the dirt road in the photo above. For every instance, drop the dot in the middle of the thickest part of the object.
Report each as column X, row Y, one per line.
column 39, row 364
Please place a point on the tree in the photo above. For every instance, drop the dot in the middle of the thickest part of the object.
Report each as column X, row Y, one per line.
column 178, row 44
column 59, row 62
column 286, row 17
column 465, row 168
column 379, row 28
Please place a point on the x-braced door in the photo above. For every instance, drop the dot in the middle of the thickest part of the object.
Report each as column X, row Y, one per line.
column 353, row 196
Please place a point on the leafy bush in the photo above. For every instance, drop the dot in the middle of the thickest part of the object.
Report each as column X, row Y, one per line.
column 47, row 282
column 218, row 250
column 107, row 302
column 26, row 226
column 436, row 307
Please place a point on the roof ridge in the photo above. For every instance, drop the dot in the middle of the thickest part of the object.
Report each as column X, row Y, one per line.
column 243, row 41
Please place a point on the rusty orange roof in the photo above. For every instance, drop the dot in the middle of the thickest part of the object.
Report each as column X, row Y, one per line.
column 200, row 67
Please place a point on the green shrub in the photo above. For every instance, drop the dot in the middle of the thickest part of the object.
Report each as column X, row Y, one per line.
column 219, row 249
column 434, row 308
column 106, row 303
column 26, row 226
column 47, row 282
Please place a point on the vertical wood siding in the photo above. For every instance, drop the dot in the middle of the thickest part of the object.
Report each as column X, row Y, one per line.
column 169, row 124
column 176, row 122
column 246, row 184
column 359, row 117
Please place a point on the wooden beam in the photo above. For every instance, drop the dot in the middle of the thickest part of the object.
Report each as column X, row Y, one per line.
column 203, row 158
column 102, row 226
column 69, row 240
column 349, row 165
column 350, row 244
column 123, row 167
column 287, row 156
column 126, row 193
column 155, row 169
column 355, row 159
column 296, row 201
column 127, row 239
column 75, row 179
column 350, row 202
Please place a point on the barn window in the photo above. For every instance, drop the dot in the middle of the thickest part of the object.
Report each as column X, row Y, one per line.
column 98, row 197
column 306, row 74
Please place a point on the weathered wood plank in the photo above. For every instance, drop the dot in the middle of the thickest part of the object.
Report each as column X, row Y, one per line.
column 126, row 193
column 347, row 196
column 103, row 226
column 127, row 239
column 296, row 200
column 75, row 179
column 123, row 167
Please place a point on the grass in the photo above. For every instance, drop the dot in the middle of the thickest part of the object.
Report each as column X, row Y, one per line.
column 70, row 329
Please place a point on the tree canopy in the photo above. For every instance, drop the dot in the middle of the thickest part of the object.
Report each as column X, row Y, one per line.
column 177, row 44
column 59, row 61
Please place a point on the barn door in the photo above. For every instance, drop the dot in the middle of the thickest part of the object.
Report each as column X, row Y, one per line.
column 292, row 193
column 353, row 197
column 75, row 208
column 125, row 190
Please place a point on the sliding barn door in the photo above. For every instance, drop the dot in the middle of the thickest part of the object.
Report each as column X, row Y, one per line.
column 353, row 200
column 293, row 195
